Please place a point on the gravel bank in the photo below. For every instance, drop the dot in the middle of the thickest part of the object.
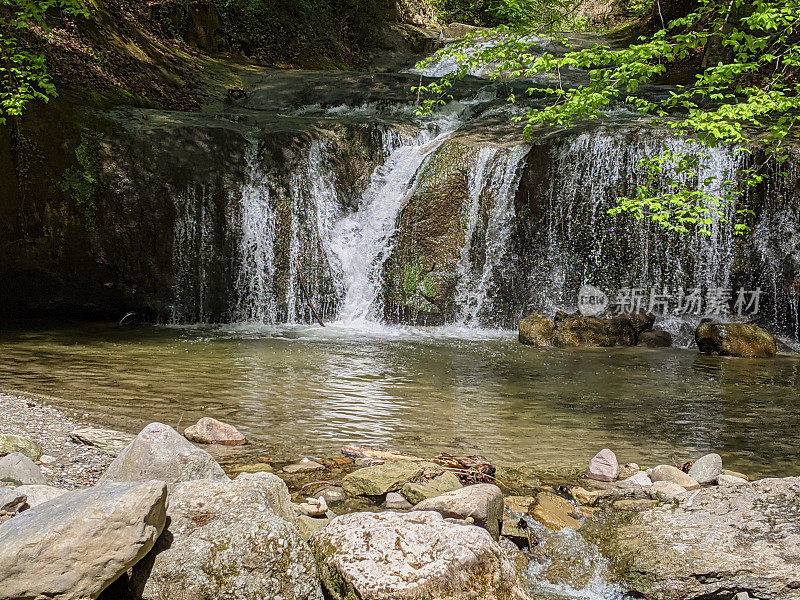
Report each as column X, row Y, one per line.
column 65, row 463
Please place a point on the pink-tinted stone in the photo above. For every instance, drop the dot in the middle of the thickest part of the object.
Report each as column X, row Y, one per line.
column 604, row 466
column 211, row 431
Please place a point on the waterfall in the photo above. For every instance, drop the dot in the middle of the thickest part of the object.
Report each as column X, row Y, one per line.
column 192, row 256
column 581, row 243
column 255, row 279
column 493, row 180
column 362, row 240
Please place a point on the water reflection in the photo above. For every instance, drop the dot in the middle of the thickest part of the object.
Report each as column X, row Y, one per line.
column 300, row 390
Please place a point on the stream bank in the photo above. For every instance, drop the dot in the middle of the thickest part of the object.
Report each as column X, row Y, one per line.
column 604, row 534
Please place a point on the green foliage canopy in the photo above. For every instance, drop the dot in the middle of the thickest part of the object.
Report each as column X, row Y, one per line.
column 23, row 74
column 745, row 55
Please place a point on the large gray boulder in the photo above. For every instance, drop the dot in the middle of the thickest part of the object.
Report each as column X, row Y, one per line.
column 482, row 504
column 74, row 546
column 159, row 452
column 229, row 539
column 735, row 339
column 10, row 443
column 715, row 543
column 18, row 469
column 412, row 556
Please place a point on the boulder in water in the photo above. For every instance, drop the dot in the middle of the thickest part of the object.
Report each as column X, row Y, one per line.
column 673, row 475
column 159, row 452
column 381, row 479
column 655, row 338
column 481, row 503
column 74, row 546
column 441, row 484
column 210, row 431
column 412, row 556
column 735, row 339
column 604, row 466
column 706, row 469
column 536, row 330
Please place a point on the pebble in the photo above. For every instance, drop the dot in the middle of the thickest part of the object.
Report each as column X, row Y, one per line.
column 72, row 465
column 395, row 501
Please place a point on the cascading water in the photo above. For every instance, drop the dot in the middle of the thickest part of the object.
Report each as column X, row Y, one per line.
column 362, row 241
column 192, row 255
column 255, row 295
column 493, row 180
column 583, row 244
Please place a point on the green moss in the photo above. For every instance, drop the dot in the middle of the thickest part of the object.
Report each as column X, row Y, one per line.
column 80, row 181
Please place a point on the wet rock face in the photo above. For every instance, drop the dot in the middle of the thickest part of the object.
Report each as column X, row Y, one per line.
column 735, row 339
column 412, row 556
column 580, row 331
column 715, row 543
column 420, row 275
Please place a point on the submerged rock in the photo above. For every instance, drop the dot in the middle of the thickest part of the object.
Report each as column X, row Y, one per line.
column 211, row 431
column 16, row 443
column 159, row 452
column 482, row 503
column 735, row 339
column 555, row 512
column 381, row 479
column 715, row 543
column 227, row 539
column 706, row 469
column 412, row 556
column 306, row 465
column 74, row 546
column 604, row 466
column 18, row 469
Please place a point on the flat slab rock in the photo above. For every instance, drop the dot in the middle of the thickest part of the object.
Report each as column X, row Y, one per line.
column 74, row 546
column 715, row 543
column 412, row 556
column 107, row 440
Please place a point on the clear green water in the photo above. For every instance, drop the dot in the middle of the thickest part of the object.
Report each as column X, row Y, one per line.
column 307, row 391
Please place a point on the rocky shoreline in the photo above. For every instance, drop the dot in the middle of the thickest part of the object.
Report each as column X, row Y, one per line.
column 165, row 520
